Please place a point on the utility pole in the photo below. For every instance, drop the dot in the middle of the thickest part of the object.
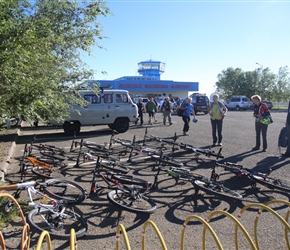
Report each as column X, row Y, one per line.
column 260, row 73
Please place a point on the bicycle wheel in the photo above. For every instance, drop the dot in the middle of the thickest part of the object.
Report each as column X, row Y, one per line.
column 131, row 180
column 216, row 189
column 65, row 190
column 57, row 225
column 53, row 155
column 136, row 202
column 114, row 166
column 271, row 183
column 47, row 173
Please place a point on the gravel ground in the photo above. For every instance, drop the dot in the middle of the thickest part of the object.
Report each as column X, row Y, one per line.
column 176, row 202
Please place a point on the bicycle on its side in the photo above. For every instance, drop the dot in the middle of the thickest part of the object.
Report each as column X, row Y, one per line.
column 52, row 215
column 256, row 177
column 199, row 182
column 127, row 192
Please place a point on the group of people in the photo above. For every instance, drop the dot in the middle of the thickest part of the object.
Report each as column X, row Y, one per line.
column 217, row 111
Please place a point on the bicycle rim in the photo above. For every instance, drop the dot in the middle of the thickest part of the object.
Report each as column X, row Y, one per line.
column 46, row 173
column 125, row 201
column 65, row 190
column 216, row 189
column 44, row 220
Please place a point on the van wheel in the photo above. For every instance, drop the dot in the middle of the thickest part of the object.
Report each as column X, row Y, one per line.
column 111, row 126
column 72, row 127
column 238, row 108
column 121, row 125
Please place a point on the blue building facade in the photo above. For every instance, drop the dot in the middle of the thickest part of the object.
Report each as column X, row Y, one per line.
column 148, row 83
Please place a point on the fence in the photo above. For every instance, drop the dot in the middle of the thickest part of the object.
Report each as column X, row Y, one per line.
column 121, row 231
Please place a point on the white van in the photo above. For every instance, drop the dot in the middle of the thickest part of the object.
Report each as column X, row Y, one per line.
column 109, row 107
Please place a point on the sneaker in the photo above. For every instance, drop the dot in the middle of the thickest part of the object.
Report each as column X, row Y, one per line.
column 255, row 148
column 164, row 123
column 185, row 133
column 264, row 150
column 214, row 144
column 170, row 123
column 220, row 144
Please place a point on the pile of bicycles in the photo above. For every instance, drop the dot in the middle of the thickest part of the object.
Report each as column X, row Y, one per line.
column 57, row 213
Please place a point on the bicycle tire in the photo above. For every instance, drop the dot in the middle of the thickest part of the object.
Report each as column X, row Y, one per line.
column 53, row 155
column 216, row 189
column 167, row 160
column 97, row 147
column 131, row 180
column 71, row 220
column 115, row 167
column 124, row 201
column 47, row 173
column 54, row 161
column 62, row 189
column 272, row 183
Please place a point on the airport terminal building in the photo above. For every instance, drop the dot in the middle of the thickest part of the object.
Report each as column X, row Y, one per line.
column 148, row 83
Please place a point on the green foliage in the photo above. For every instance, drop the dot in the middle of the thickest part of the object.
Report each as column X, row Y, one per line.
column 265, row 83
column 41, row 43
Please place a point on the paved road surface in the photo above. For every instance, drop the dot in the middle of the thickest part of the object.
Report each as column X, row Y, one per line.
column 177, row 202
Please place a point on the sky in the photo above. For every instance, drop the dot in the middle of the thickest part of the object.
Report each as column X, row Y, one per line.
column 195, row 39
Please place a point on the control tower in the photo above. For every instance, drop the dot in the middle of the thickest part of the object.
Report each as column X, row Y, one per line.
column 151, row 69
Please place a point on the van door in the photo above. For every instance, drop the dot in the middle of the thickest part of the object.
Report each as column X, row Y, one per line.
column 109, row 112
column 92, row 114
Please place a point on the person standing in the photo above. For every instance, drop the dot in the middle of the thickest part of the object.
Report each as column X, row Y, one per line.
column 260, row 111
column 141, row 109
column 150, row 108
column 287, row 153
column 167, row 109
column 217, row 111
column 155, row 111
column 188, row 109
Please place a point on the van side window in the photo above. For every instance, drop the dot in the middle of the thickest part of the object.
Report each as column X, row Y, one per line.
column 93, row 99
column 121, row 98
column 108, row 98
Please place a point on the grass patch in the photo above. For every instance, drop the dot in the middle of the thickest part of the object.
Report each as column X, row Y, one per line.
column 8, row 216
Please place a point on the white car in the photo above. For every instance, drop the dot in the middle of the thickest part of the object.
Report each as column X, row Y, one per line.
column 109, row 107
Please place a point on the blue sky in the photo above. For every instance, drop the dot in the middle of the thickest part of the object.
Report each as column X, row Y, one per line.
column 196, row 39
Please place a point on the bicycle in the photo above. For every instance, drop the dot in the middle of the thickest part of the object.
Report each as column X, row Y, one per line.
column 199, row 182
column 90, row 145
column 256, row 177
column 53, row 216
column 199, row 151
column 127, row 192
column 41, row 168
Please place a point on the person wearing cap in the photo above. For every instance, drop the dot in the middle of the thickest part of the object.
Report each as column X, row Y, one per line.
column 217, row 112
column 261, row 111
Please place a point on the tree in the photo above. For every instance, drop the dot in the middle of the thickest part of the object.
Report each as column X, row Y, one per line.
column 41, row 43
column 281, row 90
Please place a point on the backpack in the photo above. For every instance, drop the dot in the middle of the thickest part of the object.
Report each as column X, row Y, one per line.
column 283, row 138
column 180, row 112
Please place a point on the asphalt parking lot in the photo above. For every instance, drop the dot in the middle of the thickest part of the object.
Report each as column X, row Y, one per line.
column 176, row 202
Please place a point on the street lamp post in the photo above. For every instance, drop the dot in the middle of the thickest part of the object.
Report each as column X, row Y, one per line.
column 261, row 72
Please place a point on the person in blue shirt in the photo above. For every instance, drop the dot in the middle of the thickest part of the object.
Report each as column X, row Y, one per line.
column 188, row 109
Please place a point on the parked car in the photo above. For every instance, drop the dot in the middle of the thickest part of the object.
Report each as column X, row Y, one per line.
column 201, row 103
column 237, row 103
column 160, row 102
column 269, row 104
column 109, row 107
